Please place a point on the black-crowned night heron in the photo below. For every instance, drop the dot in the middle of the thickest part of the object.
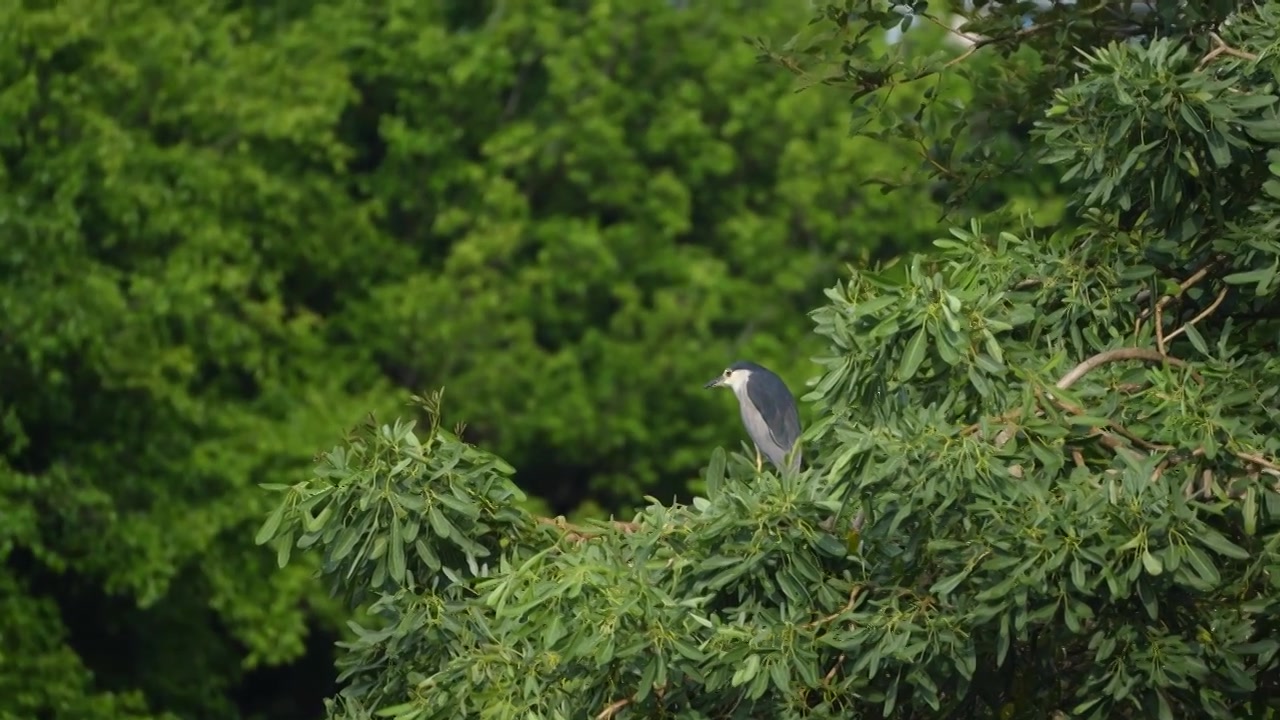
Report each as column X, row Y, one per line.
column 768, row 411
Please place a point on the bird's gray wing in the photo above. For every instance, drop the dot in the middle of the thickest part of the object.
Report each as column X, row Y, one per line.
column 778, row 408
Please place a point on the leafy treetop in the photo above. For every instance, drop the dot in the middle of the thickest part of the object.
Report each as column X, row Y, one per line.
column 1064, row 442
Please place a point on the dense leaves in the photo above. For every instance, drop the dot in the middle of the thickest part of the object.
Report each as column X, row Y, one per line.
column 1064, row 442
column 609, row 206
column 228, row 231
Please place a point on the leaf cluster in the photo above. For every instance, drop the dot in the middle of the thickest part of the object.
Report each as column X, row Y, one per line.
column 1044, row 475
column 714, row 608
column 228, row 228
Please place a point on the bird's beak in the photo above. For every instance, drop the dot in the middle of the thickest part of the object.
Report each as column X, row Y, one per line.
column 716, row 381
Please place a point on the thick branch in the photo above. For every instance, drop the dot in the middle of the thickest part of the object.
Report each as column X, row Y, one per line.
column 1116, row 355
column 1220, row 47
column 1109, row 439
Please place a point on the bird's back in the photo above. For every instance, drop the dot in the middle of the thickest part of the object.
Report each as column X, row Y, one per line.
column 776, row 407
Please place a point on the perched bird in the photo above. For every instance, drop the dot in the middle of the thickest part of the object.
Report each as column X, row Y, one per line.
column 768, row 411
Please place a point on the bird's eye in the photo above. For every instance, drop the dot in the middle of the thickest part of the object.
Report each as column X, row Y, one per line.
column 728, row 372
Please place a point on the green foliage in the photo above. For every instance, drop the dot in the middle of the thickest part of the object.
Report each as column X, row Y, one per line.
column 1063, row 442
column 227, row 230
column 160, row 194
column 612, row 205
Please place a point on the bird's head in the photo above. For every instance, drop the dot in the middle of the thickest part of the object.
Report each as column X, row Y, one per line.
column 735, row 376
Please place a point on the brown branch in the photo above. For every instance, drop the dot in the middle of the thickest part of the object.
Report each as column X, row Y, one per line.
column 1220, row 47
column 981, row 42
column 1258, row 460
column 1267, row 465
column 1183, row 286
column 853, row 600
column 1160, row 331
column 1072, row 377
column 612, row 708
column 1203, row 314
column 1116, row 427
column 1109, row 356
column 826, row 679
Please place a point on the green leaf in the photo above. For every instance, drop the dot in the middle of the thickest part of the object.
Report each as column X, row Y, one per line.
column 1190, row 117
column 913, row 355
column 1197, row 340
column 284, row 548
column 403, row 711
column 464, row 508
column 1218, row 149
column 1152, row 563
column 1078, row 575
column 715, row 472
column 949, row 584
column 270, row 526
column 439, row 523
column 1251, row 276
column 1202, row 565
column 427, row 554
column 746, row 672
column 1254, row 101
column 1215, row 541
column 396, row 558
column 1163, row 711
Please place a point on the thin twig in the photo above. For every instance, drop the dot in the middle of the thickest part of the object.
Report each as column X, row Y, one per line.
column 826, row 679
column 612, row 708
column 1109, row 441
column 1183, row 286
column 853, row 600
column 1160, row 331
column 944, row 26
column 979, row 43
column 1203, row 314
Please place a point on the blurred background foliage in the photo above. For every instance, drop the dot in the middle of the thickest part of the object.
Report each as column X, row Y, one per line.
column 228, row 230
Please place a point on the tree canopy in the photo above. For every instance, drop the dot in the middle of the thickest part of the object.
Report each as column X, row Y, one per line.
column 1062, row 439
column 228, row 230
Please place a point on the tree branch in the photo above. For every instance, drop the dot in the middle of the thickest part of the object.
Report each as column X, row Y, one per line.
column 853, row 600
column 826, row 679
column 979, row 43
column 1183, row 286
column 1260, row 461
column 1110, row 440
column 612, row 708
column 1203, row 314
column 1109, row 356
column 1073, row 376
column 1220, row 47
